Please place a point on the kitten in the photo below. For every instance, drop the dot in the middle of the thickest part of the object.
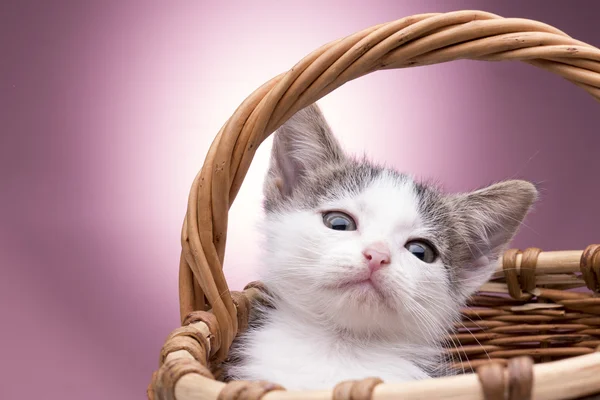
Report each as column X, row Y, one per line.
column 367, row 269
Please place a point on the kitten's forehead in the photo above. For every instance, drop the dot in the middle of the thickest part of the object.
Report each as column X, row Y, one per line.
column 368, row 184
column 328, row 183
column 389, row 200
column 389, row 190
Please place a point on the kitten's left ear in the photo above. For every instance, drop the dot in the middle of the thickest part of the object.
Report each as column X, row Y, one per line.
column 488, row 219
column 303, row 144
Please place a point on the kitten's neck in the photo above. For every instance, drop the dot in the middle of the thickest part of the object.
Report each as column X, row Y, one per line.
column 327, row 340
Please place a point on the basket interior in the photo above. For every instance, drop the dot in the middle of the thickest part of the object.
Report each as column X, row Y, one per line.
column 556, row 317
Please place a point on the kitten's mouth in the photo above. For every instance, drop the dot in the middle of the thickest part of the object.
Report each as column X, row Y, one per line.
column 362, row 284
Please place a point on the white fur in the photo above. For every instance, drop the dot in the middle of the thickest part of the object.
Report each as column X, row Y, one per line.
column 320, row 335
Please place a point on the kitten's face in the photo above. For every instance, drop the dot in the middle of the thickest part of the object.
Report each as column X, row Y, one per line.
column 367, row 250
column 363, row 260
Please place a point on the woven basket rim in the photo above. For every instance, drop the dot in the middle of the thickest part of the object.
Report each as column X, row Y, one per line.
column 549, row 382
column 411, row 41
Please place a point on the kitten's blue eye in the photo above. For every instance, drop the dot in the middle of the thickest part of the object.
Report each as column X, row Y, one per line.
column 422, row 250
column 339, row 221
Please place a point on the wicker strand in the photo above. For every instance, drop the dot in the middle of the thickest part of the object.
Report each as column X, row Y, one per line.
column 356, row 390
column 590, row 267
column 243, row 390
column 509, row 264
column 516, row 386
column 171, row 372
column 211, row 324
column 491, row 377
column 528, row 267
column 520, row 378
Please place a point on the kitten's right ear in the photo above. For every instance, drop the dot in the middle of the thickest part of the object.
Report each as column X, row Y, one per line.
column 304, row 143
column 487, row 219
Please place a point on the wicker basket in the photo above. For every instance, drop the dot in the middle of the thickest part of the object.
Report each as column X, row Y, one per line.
column 526, row 313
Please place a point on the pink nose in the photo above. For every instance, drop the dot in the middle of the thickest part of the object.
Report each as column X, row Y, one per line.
column 377, row 256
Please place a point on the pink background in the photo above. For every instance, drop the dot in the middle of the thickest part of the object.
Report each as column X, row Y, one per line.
column 108, row 108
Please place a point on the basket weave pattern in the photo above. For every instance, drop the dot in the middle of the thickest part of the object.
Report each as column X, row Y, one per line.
column 526, row 309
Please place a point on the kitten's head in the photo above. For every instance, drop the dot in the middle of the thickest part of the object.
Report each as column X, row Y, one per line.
column 366, row 249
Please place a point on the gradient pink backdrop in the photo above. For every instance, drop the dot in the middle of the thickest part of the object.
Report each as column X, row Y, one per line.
column 108, row 108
